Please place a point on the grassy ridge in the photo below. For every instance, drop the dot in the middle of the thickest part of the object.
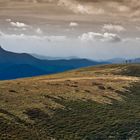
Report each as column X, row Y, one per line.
column 132, row 70
column 26, row 114
column 89, row 120
column 79, row 120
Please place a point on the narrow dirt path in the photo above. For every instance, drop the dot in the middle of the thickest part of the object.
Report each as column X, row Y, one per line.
column 125, row 78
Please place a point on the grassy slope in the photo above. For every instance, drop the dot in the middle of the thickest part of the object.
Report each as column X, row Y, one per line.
column 97, row 108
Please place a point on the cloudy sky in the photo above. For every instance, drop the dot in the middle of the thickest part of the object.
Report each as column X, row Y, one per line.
column 95, row 29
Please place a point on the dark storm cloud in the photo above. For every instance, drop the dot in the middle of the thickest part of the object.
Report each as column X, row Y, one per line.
column 98, row 6
column 131, row 3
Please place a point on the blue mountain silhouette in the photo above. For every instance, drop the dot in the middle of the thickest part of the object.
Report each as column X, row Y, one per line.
column 19, row 65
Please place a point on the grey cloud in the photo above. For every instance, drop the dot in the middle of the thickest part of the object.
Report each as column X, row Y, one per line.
column 105, row 37
column 18, row 24
column 131, row 7
column 31, row 37
column 81, row 8
column 115, row 28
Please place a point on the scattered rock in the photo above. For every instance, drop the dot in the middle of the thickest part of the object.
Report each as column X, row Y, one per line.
column 13, row 91
column 110, row 88
column 87, row 91
column 101, row 87
column 96, row 84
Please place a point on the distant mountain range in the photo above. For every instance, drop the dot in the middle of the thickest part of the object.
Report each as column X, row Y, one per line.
column 123, row 60
column 19, row 65
column 112, row 61
column 42, row 57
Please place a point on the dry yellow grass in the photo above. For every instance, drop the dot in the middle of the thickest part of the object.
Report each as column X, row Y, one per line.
column 95, row 84
column 92, row 89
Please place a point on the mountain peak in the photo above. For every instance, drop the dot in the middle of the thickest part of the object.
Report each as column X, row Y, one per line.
column 1, row 49
column 4, row 51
